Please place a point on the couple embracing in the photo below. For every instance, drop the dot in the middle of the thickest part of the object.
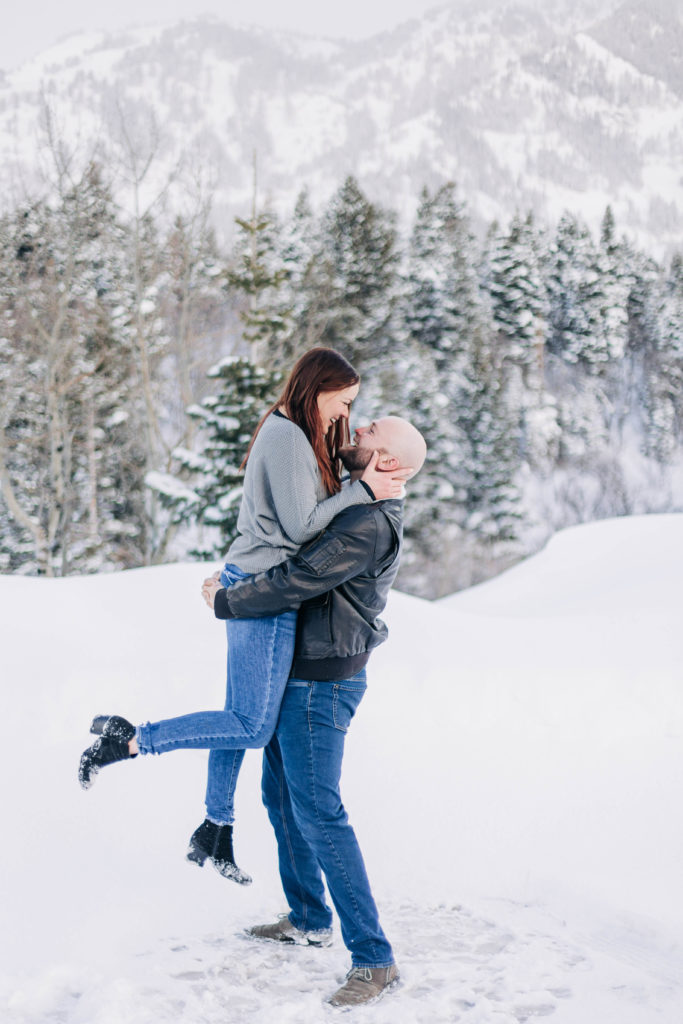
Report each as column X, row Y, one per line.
column 301, row 592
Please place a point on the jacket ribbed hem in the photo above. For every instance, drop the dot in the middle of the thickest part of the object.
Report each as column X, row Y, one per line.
column 329, row 670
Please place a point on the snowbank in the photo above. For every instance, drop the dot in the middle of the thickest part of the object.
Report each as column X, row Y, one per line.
column 514, row 774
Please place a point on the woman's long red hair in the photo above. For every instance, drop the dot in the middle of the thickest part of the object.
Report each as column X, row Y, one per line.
column 319, row 370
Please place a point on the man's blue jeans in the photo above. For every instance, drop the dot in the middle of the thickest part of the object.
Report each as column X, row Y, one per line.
column 260, row 655
column 301, row 772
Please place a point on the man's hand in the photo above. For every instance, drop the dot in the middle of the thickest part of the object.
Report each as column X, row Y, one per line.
column 209, row 588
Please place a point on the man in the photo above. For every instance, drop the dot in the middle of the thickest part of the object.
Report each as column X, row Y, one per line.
column 340, row 582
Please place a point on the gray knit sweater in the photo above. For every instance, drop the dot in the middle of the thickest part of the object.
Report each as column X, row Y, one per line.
column 284, row 503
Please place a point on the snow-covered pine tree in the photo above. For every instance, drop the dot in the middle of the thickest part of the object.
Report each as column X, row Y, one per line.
column 664, row 369
column 614, row 285
column 441, row 300
column 432, row 524
column 258, row 273
column 490, row 421
column 113, row 410
column 515, row 282
column 75, row 502
column 519, row 301
column 436, row 312
column 358, row 262
column 193, row 300
column 208, row 488
column 457, row 391
column 573, row 287
column 588, row 288
column 306, row 285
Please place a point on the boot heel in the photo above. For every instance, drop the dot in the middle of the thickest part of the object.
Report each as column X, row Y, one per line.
column 202, row 843
column 196, row 856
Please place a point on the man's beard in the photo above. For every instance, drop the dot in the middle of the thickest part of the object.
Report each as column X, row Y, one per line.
column 354, row 458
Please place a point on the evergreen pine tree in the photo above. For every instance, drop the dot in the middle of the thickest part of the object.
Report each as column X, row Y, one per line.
column 488, row 419
column 519, row 300
column 441, row 296
column 258, row 273
column 464, row 503
column 589, row 295
column 227, row 421
column 357, row 276
column 75, row 502
column 571, row 284
column 664, row 370
column 306, row 286
column 193, row 306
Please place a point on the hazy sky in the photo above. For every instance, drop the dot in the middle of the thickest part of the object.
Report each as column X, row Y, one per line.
column 33, row 25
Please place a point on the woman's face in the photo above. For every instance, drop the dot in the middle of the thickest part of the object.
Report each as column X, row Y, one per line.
column 334, row 404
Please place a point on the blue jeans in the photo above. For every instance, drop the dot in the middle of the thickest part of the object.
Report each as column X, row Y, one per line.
column 260, row 655
column 301, row 772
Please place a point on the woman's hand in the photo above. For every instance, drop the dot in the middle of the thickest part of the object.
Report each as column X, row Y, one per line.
column 209, row 588
column 384, row 483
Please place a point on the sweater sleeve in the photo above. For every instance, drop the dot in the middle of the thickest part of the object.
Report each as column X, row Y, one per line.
column 293, row 481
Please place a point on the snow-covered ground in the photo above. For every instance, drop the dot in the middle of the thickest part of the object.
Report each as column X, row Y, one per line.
column 515, row 775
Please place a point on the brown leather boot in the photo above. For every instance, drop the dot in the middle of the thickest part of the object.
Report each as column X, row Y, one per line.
column 365, row 985
column 283, row 930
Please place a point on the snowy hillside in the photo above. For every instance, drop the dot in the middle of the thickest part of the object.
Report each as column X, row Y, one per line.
column 514, row 775
column 551, row 107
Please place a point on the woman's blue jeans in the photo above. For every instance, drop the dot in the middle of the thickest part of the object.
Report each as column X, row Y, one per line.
column 260, row 655
column 301, row 773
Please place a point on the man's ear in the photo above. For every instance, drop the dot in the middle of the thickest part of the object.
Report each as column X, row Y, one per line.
column 387, row 462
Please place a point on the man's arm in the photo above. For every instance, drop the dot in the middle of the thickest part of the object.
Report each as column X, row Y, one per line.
column 343, row 550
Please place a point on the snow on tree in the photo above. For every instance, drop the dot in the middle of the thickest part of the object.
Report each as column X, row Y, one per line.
column 258, row 273
column 358, row 272
column 520, row 316
column 519, row 302
column 664, row 372
column 306, row 286
column 458, row 392
column 227, row 419
column 193, row 299
column 441, row 295
column 63, row 279
column 489, row 420
column 574, row 288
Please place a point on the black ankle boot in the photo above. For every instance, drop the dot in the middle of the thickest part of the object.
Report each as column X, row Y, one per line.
column 112, row 746
column 213, row 842
column 114, row 726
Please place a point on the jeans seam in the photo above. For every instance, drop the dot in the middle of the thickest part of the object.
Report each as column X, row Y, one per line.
column 234, row 775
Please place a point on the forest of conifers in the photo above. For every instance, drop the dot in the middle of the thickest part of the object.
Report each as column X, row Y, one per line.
column 543, row 365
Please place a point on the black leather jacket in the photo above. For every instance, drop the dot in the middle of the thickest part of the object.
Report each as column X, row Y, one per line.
column 339, row 581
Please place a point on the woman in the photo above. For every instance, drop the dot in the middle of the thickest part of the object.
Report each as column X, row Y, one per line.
column 292, row 490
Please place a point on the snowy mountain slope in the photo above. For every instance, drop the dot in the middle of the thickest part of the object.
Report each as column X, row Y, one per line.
column 513, row 773
column 526, row 106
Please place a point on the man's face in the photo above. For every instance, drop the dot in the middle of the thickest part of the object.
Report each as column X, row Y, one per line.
column 366, row 440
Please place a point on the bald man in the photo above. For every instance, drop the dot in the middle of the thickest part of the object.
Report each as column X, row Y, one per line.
column 340, row 583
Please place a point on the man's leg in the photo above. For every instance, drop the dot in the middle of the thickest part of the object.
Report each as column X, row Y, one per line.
column 299, row 870
column 310, row 733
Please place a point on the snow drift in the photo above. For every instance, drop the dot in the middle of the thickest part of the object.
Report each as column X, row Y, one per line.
column 514, row 775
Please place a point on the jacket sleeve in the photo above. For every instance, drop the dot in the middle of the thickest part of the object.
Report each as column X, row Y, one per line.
column 344, row 550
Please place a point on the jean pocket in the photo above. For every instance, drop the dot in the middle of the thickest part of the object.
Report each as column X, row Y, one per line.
column 344, row 704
